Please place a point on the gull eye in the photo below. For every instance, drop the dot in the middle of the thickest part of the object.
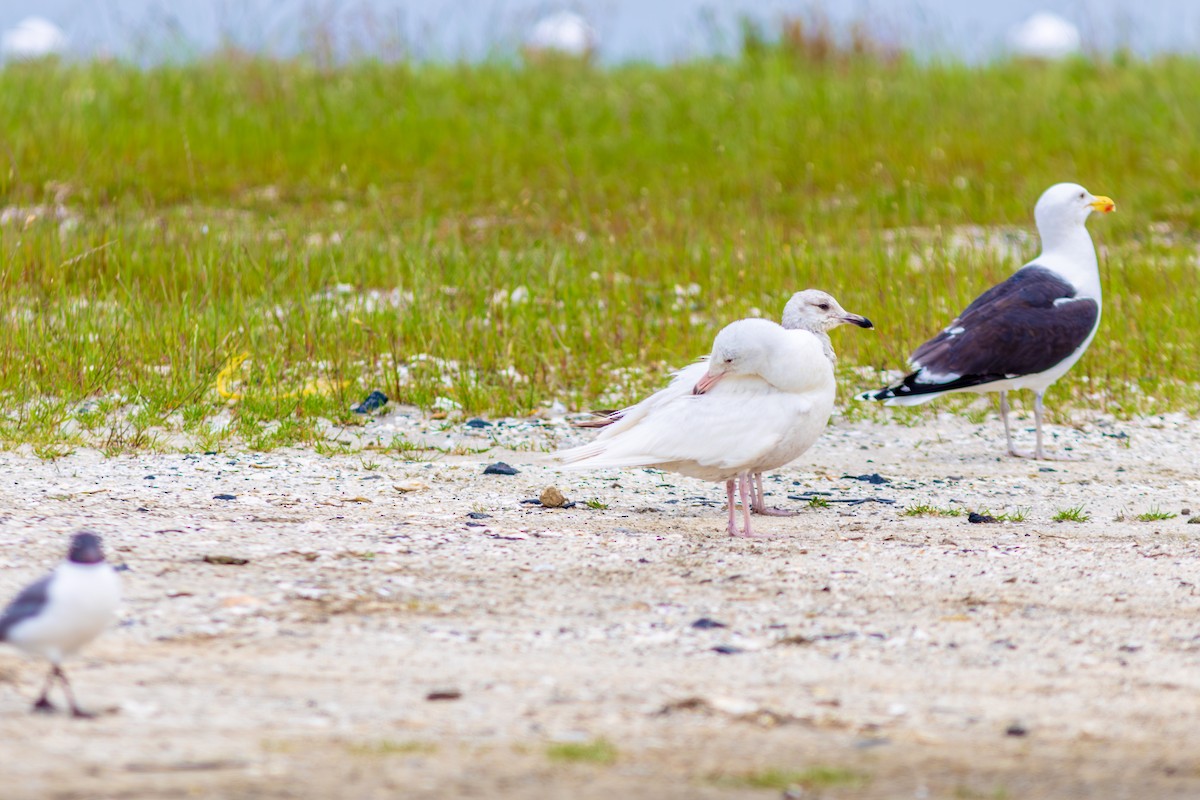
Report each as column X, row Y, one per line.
column 823, row 306
column 1082, row 195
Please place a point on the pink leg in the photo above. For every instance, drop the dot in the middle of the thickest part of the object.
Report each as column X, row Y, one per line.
column 759, row 504
column 732, row 526
column 744, row 488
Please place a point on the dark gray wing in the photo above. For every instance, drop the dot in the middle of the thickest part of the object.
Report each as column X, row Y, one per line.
column 29, row 603
column 1023, row 326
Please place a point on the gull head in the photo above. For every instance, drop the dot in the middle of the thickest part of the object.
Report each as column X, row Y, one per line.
column 741, row 348
column 85, row 549
column 1067, row 205
column 817, row 311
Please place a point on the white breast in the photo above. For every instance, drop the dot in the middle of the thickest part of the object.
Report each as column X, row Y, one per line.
column 82, row 602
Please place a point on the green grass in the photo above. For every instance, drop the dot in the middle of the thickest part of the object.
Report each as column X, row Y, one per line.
column 1156, row 514
column 597, row 751
column 1073, row 514
column 926, row 510
column 387, row 747
column 811, row 778
column 490, row 238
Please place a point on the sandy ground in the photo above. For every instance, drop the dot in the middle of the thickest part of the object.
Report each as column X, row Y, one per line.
column 872, row 654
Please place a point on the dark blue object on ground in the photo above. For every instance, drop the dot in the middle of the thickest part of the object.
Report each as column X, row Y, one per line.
column 375, row 400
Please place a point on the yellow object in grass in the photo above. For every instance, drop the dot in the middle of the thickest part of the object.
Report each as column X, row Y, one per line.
column 321, row 386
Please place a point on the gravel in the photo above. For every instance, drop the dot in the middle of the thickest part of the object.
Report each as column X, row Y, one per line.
column 305, row 670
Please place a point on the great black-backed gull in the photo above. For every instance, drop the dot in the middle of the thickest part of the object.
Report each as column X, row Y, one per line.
column 1026, row 332
column 759, row 401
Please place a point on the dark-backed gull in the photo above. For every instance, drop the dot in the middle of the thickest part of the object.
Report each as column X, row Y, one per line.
column 1026, row 332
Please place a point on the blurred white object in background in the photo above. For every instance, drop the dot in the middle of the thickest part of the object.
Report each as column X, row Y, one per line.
column 1045, row 35
column 563, row 33
column 32, row 37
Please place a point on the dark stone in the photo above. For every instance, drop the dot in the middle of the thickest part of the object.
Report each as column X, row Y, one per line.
column 149, row 478
column 444, row 694
column 867, row 744
column 977, row 518
column 873, row 478
column 500, row 468
column 478, row 515
column 704, row 624
column 235, row 561
column 1016, row 729
column 476, row 422
column 224, row 497
column 728, row 650
column 375, row 400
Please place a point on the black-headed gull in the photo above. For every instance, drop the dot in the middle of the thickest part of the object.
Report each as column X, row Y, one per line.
column 62, row 612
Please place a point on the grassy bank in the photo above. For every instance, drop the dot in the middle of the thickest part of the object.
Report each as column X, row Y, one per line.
column 493, row 237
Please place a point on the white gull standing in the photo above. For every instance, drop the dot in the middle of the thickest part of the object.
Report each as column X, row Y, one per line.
column 1026, row 332
column 1045, row 36
column 31, row 38
column 759, row 401
column 60, row 613
column 563, row 33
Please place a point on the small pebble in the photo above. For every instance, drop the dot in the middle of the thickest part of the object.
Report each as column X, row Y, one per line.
column 873, row 478
column 551, row 497
column 1016, row 729
column 977, row 518
column 228, row 560
column 224, row 497
column 728, row 650
column 1193, row 521
column 500, row 468
column 444, row 694
column 478, row 515
column 476, row 422
column 704, row 624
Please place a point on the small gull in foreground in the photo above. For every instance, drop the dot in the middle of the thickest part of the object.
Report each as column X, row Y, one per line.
column 1026, row 332
column 759, row 401
column 62, row 612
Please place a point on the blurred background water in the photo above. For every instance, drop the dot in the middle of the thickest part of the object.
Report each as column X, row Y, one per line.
column 624, row 30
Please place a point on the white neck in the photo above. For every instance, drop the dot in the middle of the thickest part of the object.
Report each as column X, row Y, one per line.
column 1069, row 251
column 826, row 346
